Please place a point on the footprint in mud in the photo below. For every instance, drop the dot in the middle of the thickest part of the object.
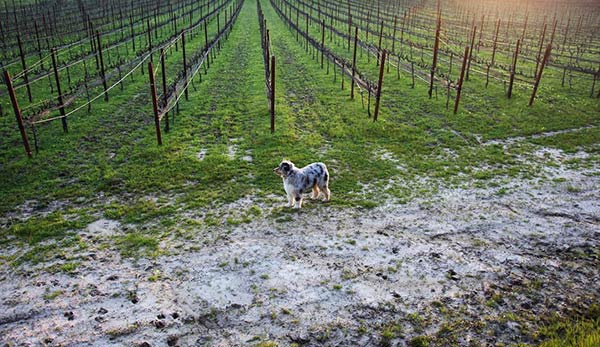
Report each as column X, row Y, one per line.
column 69, row 315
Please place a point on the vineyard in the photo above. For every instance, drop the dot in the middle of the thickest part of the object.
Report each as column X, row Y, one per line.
column 139, row 204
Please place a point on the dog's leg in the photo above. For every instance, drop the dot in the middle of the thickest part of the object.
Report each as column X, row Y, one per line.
column 327, row 193
column 290, row 200
column 315, row 193
column 298, row 201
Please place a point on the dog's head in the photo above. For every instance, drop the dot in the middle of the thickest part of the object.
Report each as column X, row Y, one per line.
column 284, row 168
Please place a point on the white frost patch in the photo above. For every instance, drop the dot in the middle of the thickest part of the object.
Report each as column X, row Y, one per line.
column 202, row 154
column 369, row 294
column 104, row 227
column 248, row 156
column 232, row 149
column 222, row 291
column 384, row 154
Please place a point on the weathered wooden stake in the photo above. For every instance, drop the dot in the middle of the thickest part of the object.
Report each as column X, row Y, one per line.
column 218, row 31
column 539, row 75
column 206, row 44
column 460, row 80
column 39, row 45
column 495, row 42
column 322, row 42
column 185, row 79
column 379, row 85
column 306, row 49
column 471, row 51
column 61, row 106
column 537, row 60
column 566, row 33
column 594, row 82
column 272, row 110
column 24, row 65
column 164, row 87
column 354, row 63
column 513, row 70
column 435, row 54
column 412, row 72
column 15, row 104
column 154, row 103
column 379, row 52
column 149, row 38
column 132, row 33
column 102, row 66
column 394, row 34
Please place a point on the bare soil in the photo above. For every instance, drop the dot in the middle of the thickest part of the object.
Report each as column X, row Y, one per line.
column 469, row 265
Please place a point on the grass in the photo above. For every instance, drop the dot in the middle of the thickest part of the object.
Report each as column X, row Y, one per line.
column 116, row 155
column 137, row 245
column 52, row 295
column 583, row 333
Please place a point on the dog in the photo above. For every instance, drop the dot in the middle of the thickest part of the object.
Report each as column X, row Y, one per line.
column 297, row 181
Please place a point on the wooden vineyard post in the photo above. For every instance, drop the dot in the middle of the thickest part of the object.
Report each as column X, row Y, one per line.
column 206, row 44
column 272, row 110
column 380, row 53
column 539, row 75
column 594, row 82
column 460, row 80
column 435, row 53
column 525, row 26
column 154, row 102
column 513, row 70
column 379, row 84
column 353, row 63
column 471, row 51
column 102, row 67
column 61, row 106
column 267, row 41
column 495, row 46
column 394, row 34
column 349, row 27
column 307, row 36
column 149, row 38
column 566, row 34
column 480, row 32
column 185, row 79
column 24, row 65
column 537, row 60
column 322, row 41
column 164, row 86
column 15, row 104
column 132, row 33
column 553, row 32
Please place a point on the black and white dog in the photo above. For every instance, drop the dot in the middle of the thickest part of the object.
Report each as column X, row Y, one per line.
column 297, row 181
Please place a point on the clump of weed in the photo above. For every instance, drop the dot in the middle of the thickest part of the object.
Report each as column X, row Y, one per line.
column 52, row 295
column 419, row 341
column 38, row 229
column 267, row 344
column 137, row 245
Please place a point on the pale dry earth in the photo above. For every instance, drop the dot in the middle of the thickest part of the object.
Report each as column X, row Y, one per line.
column 470, row 265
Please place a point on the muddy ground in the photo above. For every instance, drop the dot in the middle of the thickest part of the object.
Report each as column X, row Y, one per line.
column 466, row 266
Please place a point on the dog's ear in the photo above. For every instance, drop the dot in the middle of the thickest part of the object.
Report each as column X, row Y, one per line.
column 285, row 166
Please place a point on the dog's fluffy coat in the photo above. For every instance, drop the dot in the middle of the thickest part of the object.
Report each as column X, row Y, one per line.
column 297, row 181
